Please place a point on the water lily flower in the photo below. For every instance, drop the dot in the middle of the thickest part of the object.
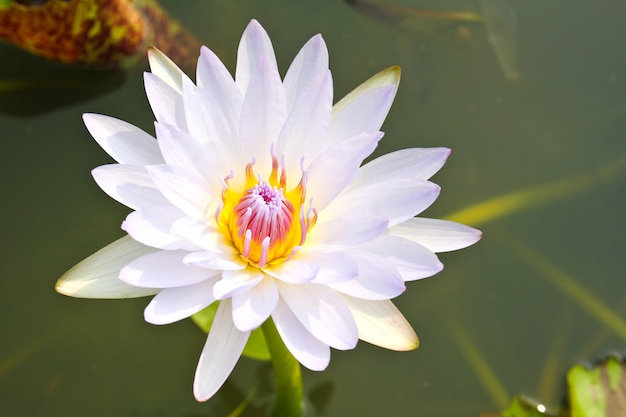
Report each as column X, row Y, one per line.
column 253, row 195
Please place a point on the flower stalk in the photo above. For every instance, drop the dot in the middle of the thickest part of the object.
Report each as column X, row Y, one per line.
column 286, row 372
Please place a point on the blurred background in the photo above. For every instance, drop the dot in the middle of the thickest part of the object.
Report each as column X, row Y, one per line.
column 531, row 97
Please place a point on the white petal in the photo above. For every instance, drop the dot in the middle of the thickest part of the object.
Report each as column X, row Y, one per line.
column 254, row 46
column 305, row 347
column 398, row 199
column 347, row 230
column 174, row 304
column 215, row 127
column 305, row 130
column 129, row 184
column 388, row 76
column 376, row 280
column 437, row 235
column 334, row 168
column 152, row 226
column 381, row 324
column 182, row 150
column 224, row 260
column 203, row 235
column 215, row 108
column 97, row 275
column 365, row 108
column 165, row 69
column 252, row 307
column 294, row 271
column 166, row 102
column 236, row 281
column 334, row 267
column 365, row 114
column 125, row 143
column 322, row 312
column 412, row 260
column 263, row 113
column 164, row 269
column 189, row 193
column 214, row 78
column 308, row 65
column 413, row 163
column 220, row 354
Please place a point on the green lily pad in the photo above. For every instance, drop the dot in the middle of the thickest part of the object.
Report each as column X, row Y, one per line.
column 599, row 391
column 255, row 348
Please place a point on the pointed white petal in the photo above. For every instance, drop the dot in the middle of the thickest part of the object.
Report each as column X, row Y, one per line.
column 437, row 235
column 204, row 236
column 412, row 260
column 381, row 324
column 334, row 168
column 174, row 304
column 165, row 101
column 398, row 199
column 152, row 226
column 377, row 279
column 97, row 275
column 165, row 69
column 334, row 267
column 347, row 230
column 214, row 79
column 255, row 45
column 308, row 65
column 189, row 193
column 129, row 184
column 365, row 114
column 182, row 150
column 263, row 113
column 413, row 163
column 252, row 307
column 305, row 347
column 220, row 354
column 164, row 269
column 236, row 281
column 294, row 270
column 125, row 143
column 305, row 130
column 215, row 108
column 322, row 312
column 365, row 108
column 223, row 260
column 387, row 77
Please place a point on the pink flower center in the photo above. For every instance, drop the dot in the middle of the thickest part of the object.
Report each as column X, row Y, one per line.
column 265, row 223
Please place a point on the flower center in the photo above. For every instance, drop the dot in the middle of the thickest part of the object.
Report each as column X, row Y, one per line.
column 265, row 223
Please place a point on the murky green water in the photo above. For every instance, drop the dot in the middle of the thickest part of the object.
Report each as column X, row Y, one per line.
column 496, row 313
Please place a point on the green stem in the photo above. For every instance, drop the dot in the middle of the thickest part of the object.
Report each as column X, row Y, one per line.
column 287, row 374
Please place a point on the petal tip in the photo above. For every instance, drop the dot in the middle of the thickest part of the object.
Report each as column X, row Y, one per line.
column 66, row 287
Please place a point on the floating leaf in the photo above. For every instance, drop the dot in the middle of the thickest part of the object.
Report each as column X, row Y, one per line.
column 96, row 33
column 598, row 391
column 593, row 392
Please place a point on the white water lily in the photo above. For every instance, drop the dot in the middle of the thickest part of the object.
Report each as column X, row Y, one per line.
column 253, row 195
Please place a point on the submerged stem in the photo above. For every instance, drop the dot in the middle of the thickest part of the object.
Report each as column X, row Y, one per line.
column 287, row 374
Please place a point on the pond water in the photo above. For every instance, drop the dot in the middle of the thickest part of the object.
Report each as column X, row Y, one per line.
column 544, row 288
